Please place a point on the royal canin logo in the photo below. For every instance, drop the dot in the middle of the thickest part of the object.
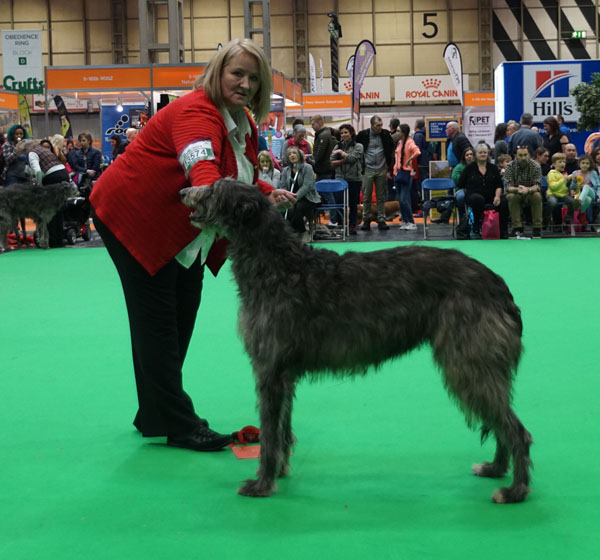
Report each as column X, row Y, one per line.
column 431, row 83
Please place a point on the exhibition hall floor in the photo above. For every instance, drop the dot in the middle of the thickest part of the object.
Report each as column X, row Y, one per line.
column 382, row 468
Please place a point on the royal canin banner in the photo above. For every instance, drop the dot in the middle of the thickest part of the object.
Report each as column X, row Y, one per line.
column 433, row 88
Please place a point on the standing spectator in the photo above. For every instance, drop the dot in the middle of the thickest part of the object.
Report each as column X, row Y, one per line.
column 554, row 139
column 58, row 147
column 266, row 169
column 379, row 159
column 500, row 143
column 420, row 139
column 347, row 162
column 395, row 131
column 458, row 140
column 570, row 152
column 406, row 151
column 298, row 139
column 86, row 160
column 523, row 179
column 118, row 146
column 322, row 148
column 14, row 165
column 561, row 125
column 525, row 136
column 482, row 184
column 542, row 155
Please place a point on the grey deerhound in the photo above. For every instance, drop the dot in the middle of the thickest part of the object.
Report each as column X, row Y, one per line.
column 290, row 291
column 35, row 201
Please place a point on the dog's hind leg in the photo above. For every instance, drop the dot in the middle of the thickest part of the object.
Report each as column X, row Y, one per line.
column 272, row 397
column 287, row 435
column 477, row 372
column 43, row 236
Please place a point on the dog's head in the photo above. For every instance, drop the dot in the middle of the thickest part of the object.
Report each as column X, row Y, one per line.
column 70, row 189
column 227, row 204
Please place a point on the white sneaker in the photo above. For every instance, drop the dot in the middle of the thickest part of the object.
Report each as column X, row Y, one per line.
column 408, row 225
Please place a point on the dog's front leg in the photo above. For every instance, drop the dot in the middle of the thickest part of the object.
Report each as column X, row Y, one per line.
column 271, row 396
column 43, row 236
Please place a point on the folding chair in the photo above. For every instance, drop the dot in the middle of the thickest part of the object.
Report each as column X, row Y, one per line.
column 444, row 188
column 331, row 186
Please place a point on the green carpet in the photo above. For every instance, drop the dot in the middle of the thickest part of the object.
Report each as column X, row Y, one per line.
column 382, row 465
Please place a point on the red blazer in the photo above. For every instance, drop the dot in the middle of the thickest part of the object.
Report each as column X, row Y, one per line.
column 137, row 196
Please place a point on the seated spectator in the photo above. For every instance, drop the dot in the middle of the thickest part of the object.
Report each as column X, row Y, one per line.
column 586, row 179
column 502, row 161
column 482, row 185
column 299, row 178
column 58, row 147
column 559, row 191
column 298, row 139
column 523, row 178
column 571, row 158
column 459, row 194
column 45, row 143
column 542, row 155
column 266, row 169
column 86, row 160
column 346, row 160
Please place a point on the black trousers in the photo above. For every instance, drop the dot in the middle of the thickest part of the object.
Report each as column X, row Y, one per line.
column 162, row 311
column 56, row 224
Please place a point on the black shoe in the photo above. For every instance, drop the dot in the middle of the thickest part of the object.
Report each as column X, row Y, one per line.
column 537, row 233
column 382, row 225
column 366, row 226
column 352, row 230
column 439, row 221
column 202, row 439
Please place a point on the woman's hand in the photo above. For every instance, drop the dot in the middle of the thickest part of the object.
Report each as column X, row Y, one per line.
column 496, row 200
column 282, row 199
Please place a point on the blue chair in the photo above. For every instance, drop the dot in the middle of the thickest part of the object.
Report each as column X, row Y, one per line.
column 332, row 186
column 441, row 184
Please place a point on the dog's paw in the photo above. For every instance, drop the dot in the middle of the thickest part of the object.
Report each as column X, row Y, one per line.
column 511, row 495
column 284, row 470
column 256, row 488
column 488, row 470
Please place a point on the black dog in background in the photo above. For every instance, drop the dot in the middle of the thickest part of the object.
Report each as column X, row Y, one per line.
column 290, row 293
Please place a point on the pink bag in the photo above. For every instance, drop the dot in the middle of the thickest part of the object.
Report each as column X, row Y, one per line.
column 490, row 229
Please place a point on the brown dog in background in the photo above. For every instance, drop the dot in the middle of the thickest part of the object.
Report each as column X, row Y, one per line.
column 392, row 210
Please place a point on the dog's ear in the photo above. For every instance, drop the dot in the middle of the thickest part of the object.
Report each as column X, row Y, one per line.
column 247, row 213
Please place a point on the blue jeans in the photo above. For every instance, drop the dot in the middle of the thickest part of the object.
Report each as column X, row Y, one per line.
column 402, row 182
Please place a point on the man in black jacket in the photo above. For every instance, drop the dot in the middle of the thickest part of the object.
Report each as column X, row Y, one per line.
column 379, row 162
column 459, row 141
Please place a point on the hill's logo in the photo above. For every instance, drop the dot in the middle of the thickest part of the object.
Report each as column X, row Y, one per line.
column 546, row 90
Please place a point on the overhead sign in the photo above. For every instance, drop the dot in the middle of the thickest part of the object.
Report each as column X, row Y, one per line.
column 22, row 60
column 94, row 78
column 427, row 88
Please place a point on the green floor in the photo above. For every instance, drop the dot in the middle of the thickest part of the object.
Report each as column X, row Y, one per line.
column 382, row 465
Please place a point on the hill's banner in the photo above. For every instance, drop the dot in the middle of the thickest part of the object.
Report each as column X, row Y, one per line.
column 454, row 64
column 363, row 56
column 22, row 60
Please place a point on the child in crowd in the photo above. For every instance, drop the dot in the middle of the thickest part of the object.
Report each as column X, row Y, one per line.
column 586, row 179
column 559, row 191
column 266, row 169
column 502, row 161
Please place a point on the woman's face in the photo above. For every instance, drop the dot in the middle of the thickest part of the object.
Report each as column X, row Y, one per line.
column 482, row 154
column 19, row 134
column 345, row 135
column 293, row 156
column 543, row 158
column 239, row 81
column 113, row 142
column 469, row 156
column 547, row 128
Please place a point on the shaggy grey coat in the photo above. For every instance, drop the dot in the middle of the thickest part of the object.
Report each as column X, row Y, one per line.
column 440, row 297
column 35, row 201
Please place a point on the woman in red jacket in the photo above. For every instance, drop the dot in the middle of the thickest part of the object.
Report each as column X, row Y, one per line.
column 195, row 140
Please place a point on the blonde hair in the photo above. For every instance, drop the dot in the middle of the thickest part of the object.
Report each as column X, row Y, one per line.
column 266, row 154
column 210, row 79
column 58, row 140
column 558, row 155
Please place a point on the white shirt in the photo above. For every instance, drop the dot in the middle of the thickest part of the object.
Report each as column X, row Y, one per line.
column 237, row 128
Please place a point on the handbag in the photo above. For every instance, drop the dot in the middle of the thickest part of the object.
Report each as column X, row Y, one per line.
column 490, row 229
